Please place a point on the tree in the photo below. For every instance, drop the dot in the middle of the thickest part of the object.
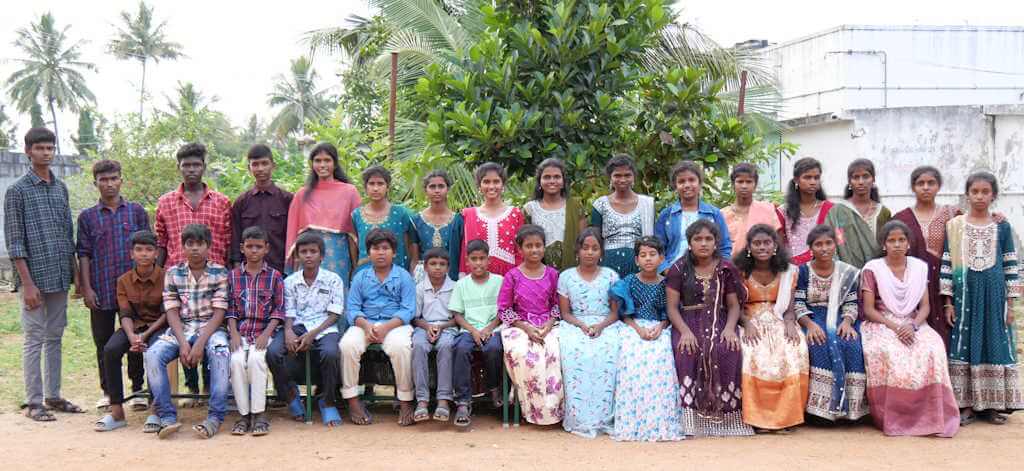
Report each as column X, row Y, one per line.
column 50, row 70
column 298, row 97
column 254, row 132
column 190, row 118
column 36, row 115
column 140, row 38
column 7, row 129
column 86, row 141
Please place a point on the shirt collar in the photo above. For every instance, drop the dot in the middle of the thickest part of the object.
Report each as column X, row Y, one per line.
column 273, row 190
column 427, row 286
column 121, row 203
column 36, row 180
column 181, row 192
column 136, row 278
column 393, row 275
column 702, row 207
column 263, row 269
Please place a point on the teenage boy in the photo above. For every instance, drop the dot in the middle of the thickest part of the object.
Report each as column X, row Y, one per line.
column 104, row 254
column 40, row 243
column 474, row 304
column 192, row 203
column 140, row 305
column 255, row 309
column 435, row 330
column 381, row 303
column 195, row 298
column 314, row 298
column 264, row 205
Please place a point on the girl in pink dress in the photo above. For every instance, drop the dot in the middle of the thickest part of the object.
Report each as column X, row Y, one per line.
column 493, row 222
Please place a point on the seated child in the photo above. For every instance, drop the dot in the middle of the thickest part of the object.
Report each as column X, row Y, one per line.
column 435, row 330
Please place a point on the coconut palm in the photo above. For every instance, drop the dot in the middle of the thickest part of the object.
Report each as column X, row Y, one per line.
column 299, row 98
column 50, row 70
column 140, row 38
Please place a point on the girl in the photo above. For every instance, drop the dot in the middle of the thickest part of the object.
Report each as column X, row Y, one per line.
column 589, row 341
column 979, row 272
column 647, row 402
column 858, row 215
column 324, row 206
column 381, row 213
column 438, row 226
column 909, row 392
column 703, row 296
column 528, row 306
column 825, row 303
column 494, row 222
column 552, row 209
column 674, row 220
column 775, row 363
column 806, row 206
column 746, row 212
column 623, row 217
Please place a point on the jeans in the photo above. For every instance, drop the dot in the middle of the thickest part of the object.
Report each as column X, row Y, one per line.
column 463, row 365
column 115, row 348
column 421, row 348
column 43, row 328
column 285, row 366
column 164, row 351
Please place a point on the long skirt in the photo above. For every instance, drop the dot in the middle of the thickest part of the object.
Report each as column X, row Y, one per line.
column 589, row 367
column 622, row 260
column 837, row 379
column 774, row 375
column 909, row 392
column 647, row 402
column 536, row 373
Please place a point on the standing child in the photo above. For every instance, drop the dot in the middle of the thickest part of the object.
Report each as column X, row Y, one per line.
column 438, row 226
column 590, row 340
column 195, row 297
column 255, row 310
column 474, row 304
column 494, row 222
column 435, row 330
column 622, row 216
column 647, row 402
column 674, row 220
column 553, row 209
column 264, row 205
column 528, row 303
column 380, row 213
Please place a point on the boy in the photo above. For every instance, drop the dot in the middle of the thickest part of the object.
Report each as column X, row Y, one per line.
column 474, row 304
column 38, row 233
column 670, row 228
column 381, row 303
column 103, row 256
column 435, row 330
column 255, row 309
column 140, row 304
column 314, row 298
column 264, row 205
column 192, row 203
column 195, row 298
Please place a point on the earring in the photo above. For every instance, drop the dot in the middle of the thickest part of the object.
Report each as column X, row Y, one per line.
column 775, row 252
column 749, row 254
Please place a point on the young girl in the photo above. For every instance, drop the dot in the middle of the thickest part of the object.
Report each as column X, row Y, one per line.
column 674, row 220
column 909, row 392
column 623, row 216
column 324, row 206
column 703, row 296
column 493, row 221
column 825, row 303
column 774, row 350
column 589, row 338
column 647, row 402
column 858, row 215
column 528, row 306
column 806, row 206
column 438, row 226
column 979, row 272
column 383, row 214
column 746, row 212
column 552, row 209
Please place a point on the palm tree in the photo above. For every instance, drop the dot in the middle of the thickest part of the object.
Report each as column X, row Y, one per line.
column 50, row 70
column 299, row 97
column 5, row 126
column 140, row 39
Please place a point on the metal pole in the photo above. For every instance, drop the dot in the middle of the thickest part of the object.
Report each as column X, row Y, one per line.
column 394, row 102
column 743, row 92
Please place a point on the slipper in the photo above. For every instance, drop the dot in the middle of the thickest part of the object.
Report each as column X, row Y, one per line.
column 462, row 415
column 206, row 429
column 152, row 425
column 39, row 413
column 241, row 426
column 168, row 429
column 260, row 425
column 108, row 423
column 329, row 415
column 296, row 408
column 994, row 418
column 63, row 405
column 442, row 413
column 421, row 413
column 138, row 403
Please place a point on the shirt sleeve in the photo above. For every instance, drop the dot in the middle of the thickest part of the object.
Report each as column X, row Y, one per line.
column 233, row 308
column 124, row 307
column 1010, row 261
column 234, row 248
column 800, row 308
column 354, row 303
column 160, row 227
column 946, row 270
column 659, row 227
column 337, row 304
column 14, row 224
column 84, row 245
column 725, row 248
column 556, row 310
column 277, row 298
column 220, row 294
column 408, row 302
column 456, row 304
column 506, row 299
column 224, row 235
column 596, row 219
column 290, row 305
column 171, row 299
column 454, row 247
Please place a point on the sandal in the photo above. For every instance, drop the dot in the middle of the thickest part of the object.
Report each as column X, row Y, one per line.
column 442, row 413
column 167, row 429
column 994, row 418
column 63, row 405
column 296, row 408
column 967, row 417
column 241, row 426
column 260, row 425
column 329, row 414
column 108, row 423
column 152, row 425
column 421, row 413
column 462, row 415
column 39, row 413
column 206, row 429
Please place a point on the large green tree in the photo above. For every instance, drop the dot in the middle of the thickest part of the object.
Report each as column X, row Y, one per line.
column 298, row 98
column 50, row 70
column 142, row 38
column 7, row 129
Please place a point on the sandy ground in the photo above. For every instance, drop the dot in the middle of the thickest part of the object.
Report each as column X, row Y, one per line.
column 71, row 444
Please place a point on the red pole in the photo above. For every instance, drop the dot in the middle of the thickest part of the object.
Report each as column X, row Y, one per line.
column 394, row 101
column 743, row 92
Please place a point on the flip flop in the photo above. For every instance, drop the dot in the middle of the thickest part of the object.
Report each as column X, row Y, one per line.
column 242, row 426
column 329, row 415
column 39, row 413
column 260, row 426
column 108, row 423
column 167, row 430
column 462, row 416
column 152, row 425
column 206, row 429
column 422, row 413
column 63, row 405
column 442, row 413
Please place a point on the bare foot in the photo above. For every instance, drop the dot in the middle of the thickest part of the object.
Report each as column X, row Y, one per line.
column 405, row 410
column 357, row 412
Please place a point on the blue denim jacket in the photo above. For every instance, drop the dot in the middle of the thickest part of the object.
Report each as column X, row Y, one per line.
column 668, row 230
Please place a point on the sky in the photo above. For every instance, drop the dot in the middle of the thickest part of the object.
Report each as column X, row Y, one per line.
column 235, row 49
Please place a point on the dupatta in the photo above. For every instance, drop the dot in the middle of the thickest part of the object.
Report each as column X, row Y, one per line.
column 327, row 208
column 856, row 242
column 901, row 297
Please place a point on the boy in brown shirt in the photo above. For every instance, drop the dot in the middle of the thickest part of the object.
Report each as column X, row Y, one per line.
column 140, row 305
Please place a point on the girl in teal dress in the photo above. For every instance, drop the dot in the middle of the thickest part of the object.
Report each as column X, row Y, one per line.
column 438, row 226
column 383, row 214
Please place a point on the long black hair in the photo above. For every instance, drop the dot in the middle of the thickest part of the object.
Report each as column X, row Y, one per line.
column 868, row 166
column 779, row 262
column 982, row 177
column 538, row 191
column 688, row 263
column 923, row 170
column 801, row 167
column 339, row 173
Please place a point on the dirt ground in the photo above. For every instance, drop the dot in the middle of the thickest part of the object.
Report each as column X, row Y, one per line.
column 71, row 444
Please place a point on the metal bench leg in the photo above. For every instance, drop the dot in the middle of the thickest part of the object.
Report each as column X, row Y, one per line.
column 504, row 396
column 309, row 390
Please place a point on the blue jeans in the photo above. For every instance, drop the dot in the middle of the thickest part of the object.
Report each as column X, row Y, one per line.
column 165, row 350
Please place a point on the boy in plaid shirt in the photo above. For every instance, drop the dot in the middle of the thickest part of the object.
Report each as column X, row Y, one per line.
column 255, row 309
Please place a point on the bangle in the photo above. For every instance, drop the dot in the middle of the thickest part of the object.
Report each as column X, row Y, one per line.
column 949, row 305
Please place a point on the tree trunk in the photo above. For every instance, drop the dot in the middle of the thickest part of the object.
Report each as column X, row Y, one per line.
column 53, row 114
column 142, row 92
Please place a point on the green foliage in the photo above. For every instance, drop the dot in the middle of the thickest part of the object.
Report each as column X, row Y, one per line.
column 86, row 141
column 142, row 39
column 36, row 115
column 299, row 99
